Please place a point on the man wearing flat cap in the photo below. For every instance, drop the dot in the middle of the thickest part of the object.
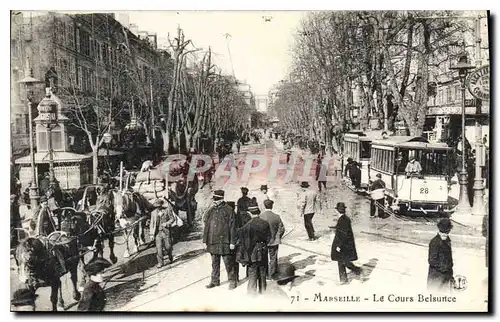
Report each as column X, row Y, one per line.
column 277, row 232
column 440, row 260
column 162, row 219
column 219, row 234
column 254, row 237
column 343, row 246
column 23, row 300
column 93, row 297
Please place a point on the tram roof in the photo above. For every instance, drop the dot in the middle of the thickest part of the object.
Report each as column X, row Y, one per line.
column 364, row 136
column 415, row 142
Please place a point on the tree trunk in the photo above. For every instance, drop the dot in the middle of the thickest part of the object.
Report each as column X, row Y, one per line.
column 166, row 140
column 95, row 163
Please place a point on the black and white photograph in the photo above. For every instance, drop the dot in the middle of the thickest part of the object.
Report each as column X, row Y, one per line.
column 250, row 161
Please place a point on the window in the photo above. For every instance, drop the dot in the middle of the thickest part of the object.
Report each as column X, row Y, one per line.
column 79, row 83
column 85, row 43
column 57, row 141
column 19, row 125
column 448, row 95
column 70, row 30
column 365, row 149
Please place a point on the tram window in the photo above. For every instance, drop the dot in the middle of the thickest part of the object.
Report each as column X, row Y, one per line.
column 365, row 149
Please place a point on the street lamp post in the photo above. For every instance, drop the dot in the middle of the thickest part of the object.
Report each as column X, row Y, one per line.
column 49, row 117
column 463, row 207
column 29, row 82
column 107, row 137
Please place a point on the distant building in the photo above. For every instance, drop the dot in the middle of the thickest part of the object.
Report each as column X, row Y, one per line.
column 84, row 52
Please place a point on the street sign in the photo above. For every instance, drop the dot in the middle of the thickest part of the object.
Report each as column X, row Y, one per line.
column 478, row 83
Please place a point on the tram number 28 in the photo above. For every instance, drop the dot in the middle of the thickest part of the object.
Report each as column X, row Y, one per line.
column 424, row 190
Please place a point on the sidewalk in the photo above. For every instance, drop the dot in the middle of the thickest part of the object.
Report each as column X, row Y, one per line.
column 388, row 269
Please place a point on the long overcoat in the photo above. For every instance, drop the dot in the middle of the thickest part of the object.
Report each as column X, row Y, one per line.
column 440, row 263
column 344, row 238
column 93, row 298
column 254, row 238
column 220, row 229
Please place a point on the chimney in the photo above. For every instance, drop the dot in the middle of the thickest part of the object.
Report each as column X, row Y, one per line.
column 153, row 39
column 134, row 29
column 124, row 19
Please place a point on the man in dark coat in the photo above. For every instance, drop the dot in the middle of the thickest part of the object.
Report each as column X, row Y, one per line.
column 348, row 167
column 440, row 260
column 343, row 246
column 277, row 232
column 254, row 237
column 219, row 235
column 377, row 189
column 93, row 297
column 15, row 220
column 242, row 216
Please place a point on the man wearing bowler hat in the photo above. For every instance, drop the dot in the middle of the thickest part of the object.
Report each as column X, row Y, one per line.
column 440, row 260
column 93, row 297
column 254, row 237
column 343, row 246
column 219, row 234
column 261, row 196
column 277, row 232
column 307, row 206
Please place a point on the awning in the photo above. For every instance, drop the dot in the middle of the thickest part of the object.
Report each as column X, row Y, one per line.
column 59, row 157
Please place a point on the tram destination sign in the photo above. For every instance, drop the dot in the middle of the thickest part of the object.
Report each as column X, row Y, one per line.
column 478, row 83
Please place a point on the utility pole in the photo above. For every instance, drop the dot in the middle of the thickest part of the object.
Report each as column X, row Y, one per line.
column 227, row 35
column 478, row 207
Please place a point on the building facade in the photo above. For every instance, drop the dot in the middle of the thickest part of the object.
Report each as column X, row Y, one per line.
column 88, row 56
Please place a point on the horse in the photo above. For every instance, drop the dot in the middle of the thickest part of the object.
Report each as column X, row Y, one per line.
column 38, row 266
column 132, row 208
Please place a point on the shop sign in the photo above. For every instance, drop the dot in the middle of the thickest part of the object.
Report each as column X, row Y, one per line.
column 478, row 83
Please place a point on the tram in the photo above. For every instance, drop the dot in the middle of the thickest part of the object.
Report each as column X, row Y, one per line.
column 357, row 145
column 424, row 193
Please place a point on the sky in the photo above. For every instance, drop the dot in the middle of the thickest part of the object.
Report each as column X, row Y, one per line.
column 260, row 50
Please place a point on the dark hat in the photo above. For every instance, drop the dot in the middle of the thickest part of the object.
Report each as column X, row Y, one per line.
column 23, row 296
column 158, row 203
column 445, row 225
column 244, row 189
column 268, row 203
column 232, row 204
column 43, row 199
column 285, row 273
column 379, row 175
column 253, row 207
column 218, row 194
column 263, row 187
column 96, row 266
column 340, row 206
column 304, row 184
column 349, row 159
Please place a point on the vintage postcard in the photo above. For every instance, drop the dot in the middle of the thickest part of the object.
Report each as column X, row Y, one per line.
column 239, row 161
